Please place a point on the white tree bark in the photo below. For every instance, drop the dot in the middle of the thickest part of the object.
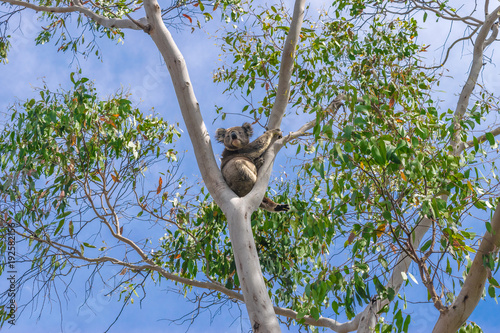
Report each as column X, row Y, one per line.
column 477, row 63
column 259, row 306
column 455, row 315
column 200, row 138
column 237, row 210
column 286, row 68
column 282, row 97
column 472, row 290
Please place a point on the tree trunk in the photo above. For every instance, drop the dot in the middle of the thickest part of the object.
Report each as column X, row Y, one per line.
column 259, row 305
column 472, row 290
column 237, row 210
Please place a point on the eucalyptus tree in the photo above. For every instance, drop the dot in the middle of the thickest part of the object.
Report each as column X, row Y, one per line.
column 383, row 172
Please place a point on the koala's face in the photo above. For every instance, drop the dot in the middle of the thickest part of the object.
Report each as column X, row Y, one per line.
column 235, row 138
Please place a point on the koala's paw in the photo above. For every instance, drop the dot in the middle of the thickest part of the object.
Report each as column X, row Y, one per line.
column 282, row 208
column 258, row 162
column 277, row 133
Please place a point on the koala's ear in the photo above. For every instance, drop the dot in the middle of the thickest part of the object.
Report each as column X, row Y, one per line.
column 220, row 134
column 247, row 127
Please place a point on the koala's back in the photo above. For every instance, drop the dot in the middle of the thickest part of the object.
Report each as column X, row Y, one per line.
column 240, row 174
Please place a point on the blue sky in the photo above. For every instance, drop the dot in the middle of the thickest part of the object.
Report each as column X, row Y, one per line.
column 137, row 65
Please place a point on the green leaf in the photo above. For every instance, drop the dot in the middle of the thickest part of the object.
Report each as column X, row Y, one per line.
column 315, row 313
column 377, row 156
column 406, row 324
column 348, row 147
column 59, row 226
column 63, row 215
column 328, row 131
column 490, row 138
column 383, row 150
column 491, row 291
column 426, row 245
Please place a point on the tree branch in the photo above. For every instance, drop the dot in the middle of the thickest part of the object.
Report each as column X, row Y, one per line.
column 429, row 284
column 74, row 253
column 493, row 36
column 190, row 109
column 448, row 51
column 470, row 84
column 472, row 290
column 370, row 314
column 255, row 196
column 332, row 324
column 237, row 210
column 286, row 67
column 452, row 15
column 331, row 109
column 76, row 7
column 480, row 139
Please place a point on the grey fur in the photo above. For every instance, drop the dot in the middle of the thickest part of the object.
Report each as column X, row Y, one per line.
column 241, row 160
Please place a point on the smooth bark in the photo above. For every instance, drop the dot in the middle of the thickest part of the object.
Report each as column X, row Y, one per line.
column 282, row 97
column 237, row 210
column 457, row 313
column 369, row 316
column 259, row 306
column 287, row 64
column 477, row 63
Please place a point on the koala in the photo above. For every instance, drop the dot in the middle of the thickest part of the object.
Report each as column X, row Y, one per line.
column 241, row 160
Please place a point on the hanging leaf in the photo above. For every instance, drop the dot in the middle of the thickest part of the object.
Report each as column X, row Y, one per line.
column 490, row 138
column 403, row 175
column 115, row 177
column 469, row 185
column 381, row 229
column 160, row 182
column 188, row 17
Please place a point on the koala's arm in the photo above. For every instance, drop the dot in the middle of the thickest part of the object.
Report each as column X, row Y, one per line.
column 258, row 147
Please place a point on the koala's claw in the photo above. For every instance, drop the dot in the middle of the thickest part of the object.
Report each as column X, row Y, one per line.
column 277, row 133
column 282, row 208
column 258, row 162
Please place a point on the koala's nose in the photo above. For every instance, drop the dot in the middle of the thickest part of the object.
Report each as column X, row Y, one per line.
column 233, row 135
